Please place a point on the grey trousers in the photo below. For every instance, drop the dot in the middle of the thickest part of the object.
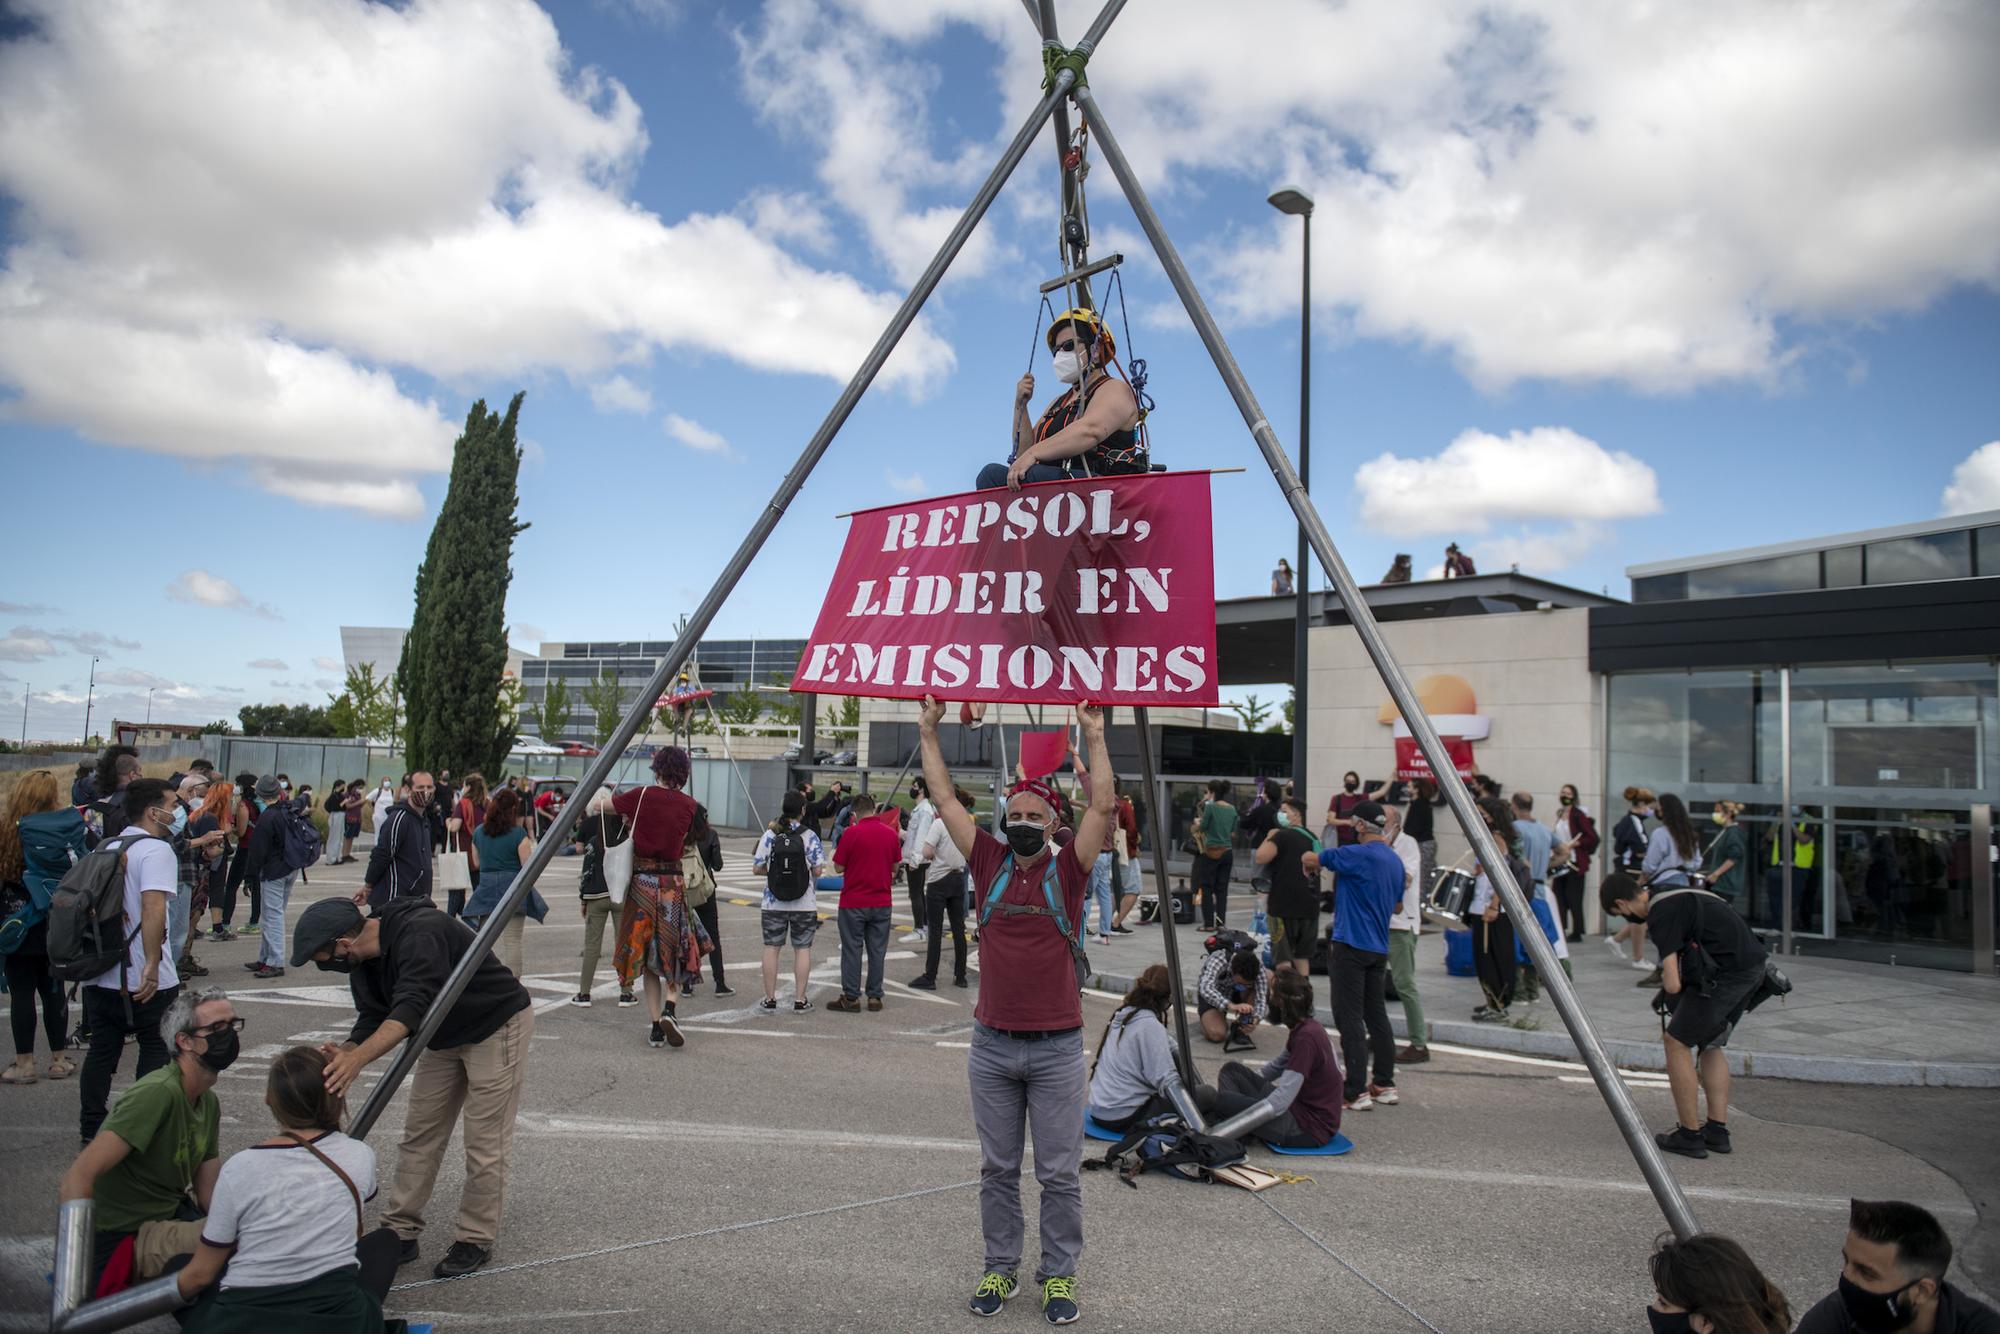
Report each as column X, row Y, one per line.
column 1017, row 1084
column 864, row 938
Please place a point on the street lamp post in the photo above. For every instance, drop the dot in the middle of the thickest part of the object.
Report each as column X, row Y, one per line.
column 149, row 706
column 89, row 697
column 1296, row 202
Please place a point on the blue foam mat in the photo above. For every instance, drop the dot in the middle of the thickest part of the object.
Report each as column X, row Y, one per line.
column 1333, row 1148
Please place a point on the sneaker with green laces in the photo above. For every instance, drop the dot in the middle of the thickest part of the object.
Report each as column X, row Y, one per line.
column 992, row 1293
column 1059, row 1300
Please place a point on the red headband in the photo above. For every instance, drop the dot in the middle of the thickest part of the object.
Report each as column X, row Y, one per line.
column 1040, row 789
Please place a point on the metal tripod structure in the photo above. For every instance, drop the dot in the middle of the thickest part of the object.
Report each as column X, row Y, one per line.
column 1064, row 83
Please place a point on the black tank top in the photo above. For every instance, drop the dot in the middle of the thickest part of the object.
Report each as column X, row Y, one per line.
column 1117, row 454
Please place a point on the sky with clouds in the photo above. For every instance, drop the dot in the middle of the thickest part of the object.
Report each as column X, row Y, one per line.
column 1594, row 284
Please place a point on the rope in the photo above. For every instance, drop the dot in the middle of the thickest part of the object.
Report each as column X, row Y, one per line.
column 1399, row 1303
column 1056, row 58
column 689, row 1236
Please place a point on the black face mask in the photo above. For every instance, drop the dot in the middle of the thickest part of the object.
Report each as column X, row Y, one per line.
column 1567, row 799
column 1027, row 840
column 915, row 795
column 1350, row 784
column 1680, row 1322
column 222, row 1051
column 1874, row 1311
column 334, row 965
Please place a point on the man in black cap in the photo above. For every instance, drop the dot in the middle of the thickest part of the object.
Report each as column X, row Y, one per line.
column 1370, row 875
column 397, row 963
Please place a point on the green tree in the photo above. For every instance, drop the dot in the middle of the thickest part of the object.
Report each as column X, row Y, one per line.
column 606, row 706
column 220, row 727
column 1291, row 713
column 740, row 709
column 458, row 633
column 552, row 715
column 366, row 708
column 782, row 709
column 848, row 715
column 1252, row 711
column 507, row 718
column 341, row 716
column 285, row 720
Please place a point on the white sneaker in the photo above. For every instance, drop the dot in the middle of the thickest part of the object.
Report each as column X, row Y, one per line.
column 1361, row 1104
column 917, row 937
column 1641, row 965
column 1104, row 940
column 1616, row 947
column 1386, row 1096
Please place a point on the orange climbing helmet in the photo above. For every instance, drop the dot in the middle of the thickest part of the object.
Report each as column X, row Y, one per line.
column 1093, row 329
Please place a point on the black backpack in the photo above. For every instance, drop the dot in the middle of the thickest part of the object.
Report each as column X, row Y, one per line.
column 1165, row 1143
column 302, row 844
column 786, row 875
column 87, row 934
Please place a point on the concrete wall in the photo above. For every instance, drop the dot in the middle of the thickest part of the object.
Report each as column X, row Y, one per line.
column 1530, row 672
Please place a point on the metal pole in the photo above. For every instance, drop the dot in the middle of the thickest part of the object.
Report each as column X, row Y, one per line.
column 1044, row 14
column 89, row 697
column 1785, row 824
column 1156, row 823
column 1302, row 571
column 1982, row 889
column 1672, row 1201
column 788, row 488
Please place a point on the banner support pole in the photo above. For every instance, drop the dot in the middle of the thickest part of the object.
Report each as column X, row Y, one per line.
column 1666, row 1190
column 697, row 625
column 1156, row 823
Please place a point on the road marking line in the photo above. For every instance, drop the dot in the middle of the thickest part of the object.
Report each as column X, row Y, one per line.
column 1513, row 1058
column 585, row 1127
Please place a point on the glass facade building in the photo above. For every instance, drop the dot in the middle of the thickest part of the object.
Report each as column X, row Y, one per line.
column 1847, row 693
column 722, row 665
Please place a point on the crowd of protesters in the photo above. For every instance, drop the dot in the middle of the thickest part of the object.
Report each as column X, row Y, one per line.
column 266, row 1236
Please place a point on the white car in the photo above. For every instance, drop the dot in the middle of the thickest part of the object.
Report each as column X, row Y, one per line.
column 532, row 745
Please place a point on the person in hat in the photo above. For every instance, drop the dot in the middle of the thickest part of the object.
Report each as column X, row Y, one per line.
column 1371, row 880
column 1026, row 1060
column 274, row 878
column 1090, row 430
column 397, row 963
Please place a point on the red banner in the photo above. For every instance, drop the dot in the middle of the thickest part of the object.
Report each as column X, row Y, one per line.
column 1099, row 590
column 1410, row 762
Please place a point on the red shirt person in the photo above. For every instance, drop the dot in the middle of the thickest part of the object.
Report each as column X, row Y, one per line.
column 1027, row 1039
column 866, row 858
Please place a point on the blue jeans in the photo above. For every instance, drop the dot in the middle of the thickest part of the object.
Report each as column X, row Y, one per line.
column 995, row 475
column 271, row 920
column 1101, row 872
column 862, row 929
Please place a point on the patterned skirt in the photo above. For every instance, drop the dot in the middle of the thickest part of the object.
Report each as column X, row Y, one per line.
column 656, row 932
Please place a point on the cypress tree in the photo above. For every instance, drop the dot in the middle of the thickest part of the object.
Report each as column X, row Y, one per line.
column 456, row 651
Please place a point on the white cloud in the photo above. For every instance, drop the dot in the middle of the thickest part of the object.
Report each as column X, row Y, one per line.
column 26, row 644
column 211, row 590
column 330, row 665
column 267, row 665
column 864, row 104
column 214, row 266
column 1975, row 482
column 911, row 484
column 619, row 394
column 790, row 218
column 525, row 633
column 24, row 608
column 696, row 436
column 129, row 676
column 1549, row 472
column 1663, row 196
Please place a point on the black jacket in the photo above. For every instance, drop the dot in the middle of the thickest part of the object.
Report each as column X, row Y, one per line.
column 265, row 858
column 400, row 865
column 420, row 947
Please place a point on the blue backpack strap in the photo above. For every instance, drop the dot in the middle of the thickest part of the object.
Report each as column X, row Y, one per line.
column 999, row 888
column 1049, row 888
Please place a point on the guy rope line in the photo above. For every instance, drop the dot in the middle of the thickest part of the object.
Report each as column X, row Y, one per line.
column 1400, row 1304
column 716, row 1231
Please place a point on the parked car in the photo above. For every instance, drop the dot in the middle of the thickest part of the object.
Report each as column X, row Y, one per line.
column 842, row 757
column 532, row 745
column 577, row 748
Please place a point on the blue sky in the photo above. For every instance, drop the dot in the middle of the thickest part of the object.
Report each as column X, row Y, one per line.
column 1592, row 287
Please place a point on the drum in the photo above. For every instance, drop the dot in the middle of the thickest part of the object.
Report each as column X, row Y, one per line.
column 1450, row 895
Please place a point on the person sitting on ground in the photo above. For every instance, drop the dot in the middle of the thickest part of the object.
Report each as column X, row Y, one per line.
column 1134, row 1075
column 1399, row 569
column 1091, row 430
column 286, row 1221
column 1892, row 1269
column 1302, row 1084
column 1712, row 967
column 152, row 1167
column 1233, row 994
column 1708, row 1285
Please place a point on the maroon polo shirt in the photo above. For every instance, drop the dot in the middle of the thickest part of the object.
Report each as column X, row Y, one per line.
column 868, row 853
column 1027, row 980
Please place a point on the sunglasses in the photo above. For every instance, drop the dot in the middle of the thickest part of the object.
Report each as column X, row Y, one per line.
column 1069, row 346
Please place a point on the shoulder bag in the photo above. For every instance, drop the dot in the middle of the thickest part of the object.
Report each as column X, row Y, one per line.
column 345, row 1179
column 618, row 857
column 454, row 867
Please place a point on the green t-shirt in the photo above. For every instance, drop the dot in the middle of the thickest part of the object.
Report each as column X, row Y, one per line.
column 169, row 1140
column 1728, row 847
column 1218, row 823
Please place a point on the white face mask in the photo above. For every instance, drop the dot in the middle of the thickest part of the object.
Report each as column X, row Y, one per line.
column 1067, row 366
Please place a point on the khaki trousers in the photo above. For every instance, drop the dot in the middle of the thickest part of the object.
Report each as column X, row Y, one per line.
column 597, row 914
column 483, row 1079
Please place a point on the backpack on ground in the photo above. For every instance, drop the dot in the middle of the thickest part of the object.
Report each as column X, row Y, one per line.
column 1231, row 940
column 302, row 844
column 88, row 934
column 1164, row 1142
column 787, row 877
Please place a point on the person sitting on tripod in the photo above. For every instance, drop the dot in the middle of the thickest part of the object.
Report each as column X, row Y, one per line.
column 1234, row 997
column 1092, row 428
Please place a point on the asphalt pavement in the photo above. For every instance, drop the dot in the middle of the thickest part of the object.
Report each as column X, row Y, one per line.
column 818, row 1172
